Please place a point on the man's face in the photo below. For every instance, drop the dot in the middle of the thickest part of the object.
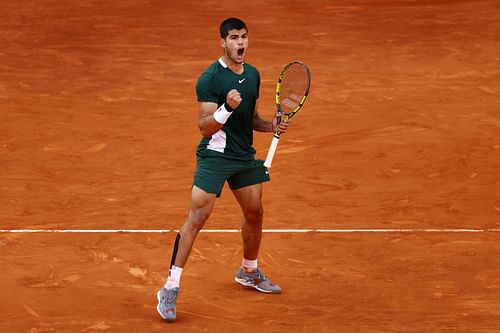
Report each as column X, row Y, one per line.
column 235, row 45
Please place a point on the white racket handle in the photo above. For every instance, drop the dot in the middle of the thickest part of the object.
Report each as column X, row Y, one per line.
column 271, row 152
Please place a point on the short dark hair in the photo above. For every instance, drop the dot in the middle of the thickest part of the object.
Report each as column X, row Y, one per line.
column 231, row 24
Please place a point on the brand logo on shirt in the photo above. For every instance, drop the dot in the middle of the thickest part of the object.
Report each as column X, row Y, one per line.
column 241, row 81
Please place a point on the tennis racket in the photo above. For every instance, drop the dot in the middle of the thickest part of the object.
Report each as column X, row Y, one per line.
column 291, row 93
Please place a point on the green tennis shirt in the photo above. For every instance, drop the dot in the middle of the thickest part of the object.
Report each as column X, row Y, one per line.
column 235, row 138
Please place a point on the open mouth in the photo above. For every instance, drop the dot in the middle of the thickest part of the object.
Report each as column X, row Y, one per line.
column 241, row 51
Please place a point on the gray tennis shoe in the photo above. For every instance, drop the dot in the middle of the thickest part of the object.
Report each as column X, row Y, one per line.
column 167, row 303
column 256, row 280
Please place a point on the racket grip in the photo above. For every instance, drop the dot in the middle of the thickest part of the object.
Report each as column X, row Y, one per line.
column 271, row 152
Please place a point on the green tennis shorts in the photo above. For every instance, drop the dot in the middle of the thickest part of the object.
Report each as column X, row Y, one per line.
column 212, row 172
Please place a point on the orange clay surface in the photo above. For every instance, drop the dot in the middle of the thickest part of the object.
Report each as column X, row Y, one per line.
column 98, row 128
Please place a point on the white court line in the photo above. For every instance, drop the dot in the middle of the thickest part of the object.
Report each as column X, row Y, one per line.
column 407, row 230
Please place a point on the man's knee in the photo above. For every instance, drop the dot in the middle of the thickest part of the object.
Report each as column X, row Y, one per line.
column 254, row 213
column 201, row 208
column 196, row 220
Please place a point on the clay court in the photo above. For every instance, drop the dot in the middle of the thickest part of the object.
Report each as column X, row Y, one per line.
column 385, row 192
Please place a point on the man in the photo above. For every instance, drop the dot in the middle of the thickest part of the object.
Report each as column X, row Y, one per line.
column 227, row 93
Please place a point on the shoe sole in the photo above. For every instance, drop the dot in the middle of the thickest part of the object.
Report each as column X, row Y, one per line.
column 249, row 284
column 158, row 295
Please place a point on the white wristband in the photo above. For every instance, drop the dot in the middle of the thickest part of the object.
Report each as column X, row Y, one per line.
column 222, row 114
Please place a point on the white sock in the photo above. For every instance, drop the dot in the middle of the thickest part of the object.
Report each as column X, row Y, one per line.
column 174, row 278
column 249, row 265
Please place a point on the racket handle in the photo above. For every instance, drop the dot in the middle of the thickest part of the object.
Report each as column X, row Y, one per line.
column 271, row 152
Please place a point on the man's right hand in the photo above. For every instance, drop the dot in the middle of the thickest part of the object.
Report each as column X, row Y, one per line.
column 233, row 99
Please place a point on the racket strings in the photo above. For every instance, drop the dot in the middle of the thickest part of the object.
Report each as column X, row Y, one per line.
column 293, row 88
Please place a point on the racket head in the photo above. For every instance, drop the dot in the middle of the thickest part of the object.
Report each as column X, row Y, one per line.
column 292, row 88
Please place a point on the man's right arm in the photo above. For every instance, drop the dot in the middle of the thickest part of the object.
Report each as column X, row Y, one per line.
column 212, row 118
column 207, row 124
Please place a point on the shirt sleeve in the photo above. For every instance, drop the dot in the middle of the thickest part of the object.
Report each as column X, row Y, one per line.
column 206, row 88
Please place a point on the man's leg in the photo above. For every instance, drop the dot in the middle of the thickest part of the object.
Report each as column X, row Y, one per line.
column 202, row 204
column 250, row 200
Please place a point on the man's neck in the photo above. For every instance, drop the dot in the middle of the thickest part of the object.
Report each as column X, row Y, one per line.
column 234, row 66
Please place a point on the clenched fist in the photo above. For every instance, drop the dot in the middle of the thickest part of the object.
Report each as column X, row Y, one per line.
column 233, row 99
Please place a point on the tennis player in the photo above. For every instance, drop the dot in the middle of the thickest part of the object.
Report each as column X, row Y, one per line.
column 227, row 93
